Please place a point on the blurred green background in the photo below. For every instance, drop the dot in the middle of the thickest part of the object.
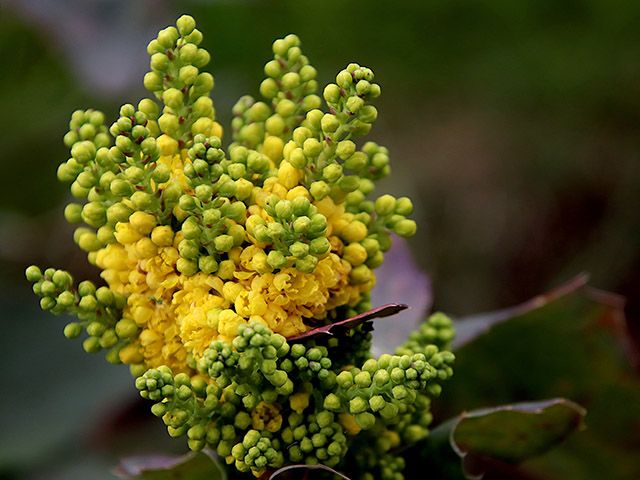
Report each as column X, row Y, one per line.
column 514, row 126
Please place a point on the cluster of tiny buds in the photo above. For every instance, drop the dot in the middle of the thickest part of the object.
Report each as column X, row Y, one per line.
column 98, row 310
column 289, row 92
column 162, row 202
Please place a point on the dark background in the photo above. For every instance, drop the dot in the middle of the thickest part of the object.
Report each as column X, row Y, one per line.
column 514, row 127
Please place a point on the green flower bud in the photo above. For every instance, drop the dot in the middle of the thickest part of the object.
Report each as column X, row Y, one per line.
column 299, row 250
column 159, row 61
column 73, row 213
column 363, row 87
column 88, row 241
column 94, row 214
column 377, row 403
column 203, row 83
column 228, row 189
column 108, row 339
column 62, row 279
column 173, row 98
column 268, row 88
column 83, row 152
column 308, row 73
column 126, row 328
column 273, row 69
column 319, row 190
column 319, row 246
column 72, row 330
column 284, row 209
column 331, row 93
column 187, row 203
column 223, row 243
column 153, row 81
column 280, row 47
column 354, row 104
column 168, row 37
column 142, row 200
column 329, row 123
column 203, row 107
column 361, row 274
column 237, row 170
column 363, row 379
column 310, row 102
column 381, row 377
column 285, row 108
column 332, row 172
column 319, row 440
column 357, row 161
column 349, row 183
column 118, row 212
column 48, row 289
column 186, row 24
column 169, row 123
column 87, row 131
column 290, row 80
column 33, row 274
column 186, row 266
column 188, row 249
column 385, row 205
column 204, row 193
column 159, row 409
column 275, row 125
column 66, row 173
column 297, row 158
column 91, row 345
column 65, row 299
column 404, row 206
column 90, row 304
column 149, row 108
column 345, row 149
column 357, row 405
column 124, row 144
column 313, row 119
column 368, row 114
column 399, row 392
column 86, row 288
column 344, row 79
column 194, row 37
column 191, row 229
column 70, row 138
column 207, row 264
column 366, row 420
column 121, row 188
column 202, row 58
column 405, row 228
column 276, row 259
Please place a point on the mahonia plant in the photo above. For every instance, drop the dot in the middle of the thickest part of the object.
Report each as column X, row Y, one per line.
column 214, row 259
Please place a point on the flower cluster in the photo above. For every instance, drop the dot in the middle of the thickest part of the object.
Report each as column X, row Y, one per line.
column 261, row 402
column 212, row 257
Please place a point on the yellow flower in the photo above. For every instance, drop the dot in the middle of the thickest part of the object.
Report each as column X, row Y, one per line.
column 299, row 401
column 272, row 148
column 266, row 416
column 180, row 315
column 349, row 423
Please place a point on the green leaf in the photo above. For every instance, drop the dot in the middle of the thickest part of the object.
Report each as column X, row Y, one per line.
column 471, row 327
column 514, row 433
column 574, row 347
column 193, row 466
column 508, row 433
